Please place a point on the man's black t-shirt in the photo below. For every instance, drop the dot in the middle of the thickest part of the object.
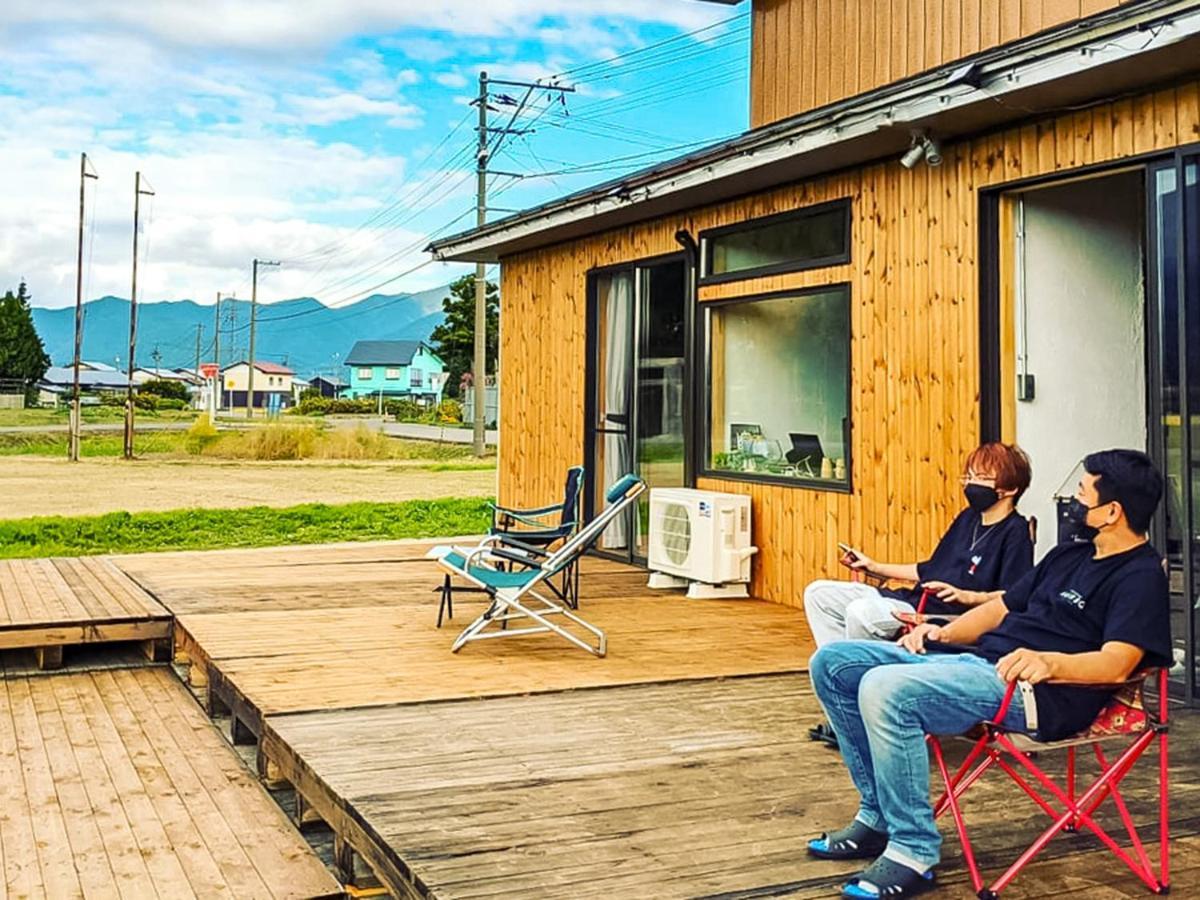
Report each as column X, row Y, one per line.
column 975, row 557
column 1074, row 603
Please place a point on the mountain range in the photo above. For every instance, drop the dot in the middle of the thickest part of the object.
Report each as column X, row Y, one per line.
column 302, row 333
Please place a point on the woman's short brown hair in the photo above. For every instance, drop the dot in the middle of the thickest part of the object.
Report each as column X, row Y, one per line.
column 1006, row 462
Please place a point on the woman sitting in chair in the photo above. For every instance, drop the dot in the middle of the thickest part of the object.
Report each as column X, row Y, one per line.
column 986, row 549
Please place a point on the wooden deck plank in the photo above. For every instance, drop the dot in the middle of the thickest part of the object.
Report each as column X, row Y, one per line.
column 689, row 789
column 46, row 604
column 113, row 783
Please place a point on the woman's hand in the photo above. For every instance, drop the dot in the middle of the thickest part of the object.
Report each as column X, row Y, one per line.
column 948, row 593
column 914, row 641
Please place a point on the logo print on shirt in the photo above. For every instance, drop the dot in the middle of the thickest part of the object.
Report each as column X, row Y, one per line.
column 1074, row 598
column 975, row 561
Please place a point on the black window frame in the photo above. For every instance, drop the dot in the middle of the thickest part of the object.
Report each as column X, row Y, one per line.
column 805, row 212
column 702, row 434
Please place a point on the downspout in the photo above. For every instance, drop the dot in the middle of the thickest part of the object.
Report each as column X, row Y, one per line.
column 691, row 394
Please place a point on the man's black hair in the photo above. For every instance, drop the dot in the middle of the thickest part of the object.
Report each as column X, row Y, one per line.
column 1130, row 478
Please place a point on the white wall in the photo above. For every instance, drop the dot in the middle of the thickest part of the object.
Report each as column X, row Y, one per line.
column 1086, row 330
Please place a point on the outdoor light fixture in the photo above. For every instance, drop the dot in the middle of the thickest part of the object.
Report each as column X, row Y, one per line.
column 923, row 147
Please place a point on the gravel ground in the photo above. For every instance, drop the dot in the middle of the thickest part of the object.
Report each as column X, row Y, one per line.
column 36, row 486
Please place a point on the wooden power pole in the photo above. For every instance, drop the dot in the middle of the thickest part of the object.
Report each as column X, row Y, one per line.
column 73, row 440
column 138, row 193
column 253, row 322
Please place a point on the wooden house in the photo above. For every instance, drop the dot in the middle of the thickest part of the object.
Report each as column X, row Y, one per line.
column 949, row 221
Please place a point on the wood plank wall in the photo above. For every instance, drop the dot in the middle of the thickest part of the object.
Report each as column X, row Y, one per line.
column 915, row 378
column 806, row 53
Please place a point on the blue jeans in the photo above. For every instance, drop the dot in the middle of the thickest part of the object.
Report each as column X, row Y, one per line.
column 882, row 701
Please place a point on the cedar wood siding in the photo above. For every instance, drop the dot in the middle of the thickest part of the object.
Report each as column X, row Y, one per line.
column 914, row 323
column 807, row 53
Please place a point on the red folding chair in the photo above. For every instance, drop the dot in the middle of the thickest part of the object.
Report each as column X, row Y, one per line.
column 1126, row 720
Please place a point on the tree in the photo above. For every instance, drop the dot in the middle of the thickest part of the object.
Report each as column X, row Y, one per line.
column 22, row 355
column 454, row 339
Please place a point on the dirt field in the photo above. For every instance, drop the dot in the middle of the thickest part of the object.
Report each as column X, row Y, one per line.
column 36, row 486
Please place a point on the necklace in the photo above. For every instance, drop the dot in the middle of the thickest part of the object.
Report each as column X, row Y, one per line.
column 976, row 537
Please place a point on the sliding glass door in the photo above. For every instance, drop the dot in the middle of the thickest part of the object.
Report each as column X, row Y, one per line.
column 1174, row 192
column 637, row 324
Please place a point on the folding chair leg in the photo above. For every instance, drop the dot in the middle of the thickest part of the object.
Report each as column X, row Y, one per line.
column 952, row 800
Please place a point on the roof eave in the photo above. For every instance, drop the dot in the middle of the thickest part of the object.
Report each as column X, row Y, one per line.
column 1079, row 63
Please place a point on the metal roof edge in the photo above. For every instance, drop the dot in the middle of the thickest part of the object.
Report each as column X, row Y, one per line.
column 1013, row 69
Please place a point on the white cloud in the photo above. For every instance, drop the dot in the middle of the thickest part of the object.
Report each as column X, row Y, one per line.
column 288, row 27
column 344, row 106
column 453, row 80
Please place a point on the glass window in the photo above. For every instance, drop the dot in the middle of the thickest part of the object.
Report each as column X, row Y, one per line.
column 414, row 377
column 779, row 387
column 364, row 374
column 392, row 374
column 805, row 239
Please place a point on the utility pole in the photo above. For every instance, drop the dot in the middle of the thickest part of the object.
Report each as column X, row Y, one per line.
column 199, row 335
column 483, row 156
column 253, row 319
column 73, row 442
column 480, row 363
column 217, row 357
column 137, row 203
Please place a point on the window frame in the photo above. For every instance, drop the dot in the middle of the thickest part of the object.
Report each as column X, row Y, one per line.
column 370, row 376
column 388, row 370
column 702, row 435
column 416, row 378
column 805, row 212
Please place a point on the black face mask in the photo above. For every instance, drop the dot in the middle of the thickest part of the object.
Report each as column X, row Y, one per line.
column 1076, row 514
column 980, row 497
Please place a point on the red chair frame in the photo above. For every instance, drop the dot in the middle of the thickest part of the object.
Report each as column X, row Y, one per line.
column 997, row 747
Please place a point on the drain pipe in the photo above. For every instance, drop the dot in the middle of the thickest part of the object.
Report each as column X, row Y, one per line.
column 691, row 323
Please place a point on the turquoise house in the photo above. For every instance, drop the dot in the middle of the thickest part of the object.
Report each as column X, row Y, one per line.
column 407, row 369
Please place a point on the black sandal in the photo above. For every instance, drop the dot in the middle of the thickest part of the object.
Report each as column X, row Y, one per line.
column 890, row 880
column 855, row 841
column 823, row 733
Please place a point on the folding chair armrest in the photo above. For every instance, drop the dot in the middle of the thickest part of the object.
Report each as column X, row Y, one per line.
column 522, row 558
column 508, row 541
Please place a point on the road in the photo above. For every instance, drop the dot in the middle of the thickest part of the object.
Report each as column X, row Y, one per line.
column 435, row 433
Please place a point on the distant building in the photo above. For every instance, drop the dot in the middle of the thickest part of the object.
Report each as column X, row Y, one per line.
column 272, row 386
column 329, row 386
column 407, row 369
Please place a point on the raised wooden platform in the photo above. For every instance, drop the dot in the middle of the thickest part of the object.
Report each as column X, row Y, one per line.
column 280, row 633
column 113, row 784
column 49, row 604
column 698, row 789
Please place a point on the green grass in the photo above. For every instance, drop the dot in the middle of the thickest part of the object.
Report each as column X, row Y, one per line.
column 263, row 443
column 91, row 414
column 259, row 526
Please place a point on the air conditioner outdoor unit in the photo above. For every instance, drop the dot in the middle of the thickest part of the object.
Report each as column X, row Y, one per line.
column 700, row 540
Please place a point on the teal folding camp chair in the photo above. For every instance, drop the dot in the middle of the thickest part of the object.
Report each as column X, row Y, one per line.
column 533, row 532
column 514, row 594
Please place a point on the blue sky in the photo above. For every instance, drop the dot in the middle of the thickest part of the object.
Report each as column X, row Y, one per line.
column 335, row 136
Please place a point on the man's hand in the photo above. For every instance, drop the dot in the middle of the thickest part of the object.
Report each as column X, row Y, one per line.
column 914, row 641
column 1025, row 665
column 859, row 561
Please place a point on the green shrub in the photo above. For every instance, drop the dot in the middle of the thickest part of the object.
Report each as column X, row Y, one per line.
column 167, row 389
column 142, row 400
column 450, row 412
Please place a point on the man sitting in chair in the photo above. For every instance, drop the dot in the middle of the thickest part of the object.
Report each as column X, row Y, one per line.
column 986, row 549
column 1091, row 613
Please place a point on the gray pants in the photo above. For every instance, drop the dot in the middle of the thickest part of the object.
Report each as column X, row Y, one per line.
column 850, row 610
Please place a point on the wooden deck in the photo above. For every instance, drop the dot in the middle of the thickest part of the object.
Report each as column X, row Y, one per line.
column 678, row 766
column 696, row 789
column 113, row 784
column 49, row 604
column 281, row 634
